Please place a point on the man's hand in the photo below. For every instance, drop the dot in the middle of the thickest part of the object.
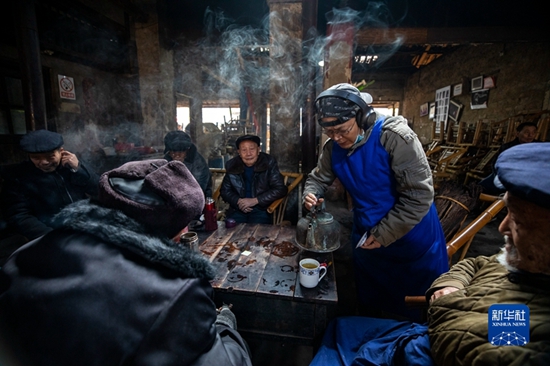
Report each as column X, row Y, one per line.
column 69, row 160
column 246, row 204
column 310, row 200
column 444, row 291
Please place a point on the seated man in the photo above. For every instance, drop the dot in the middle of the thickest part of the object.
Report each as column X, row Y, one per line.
column 108, row 287
column 457, row 332
column 35, row 190
column 178, row 146
column 525, row 133
column 252, row 182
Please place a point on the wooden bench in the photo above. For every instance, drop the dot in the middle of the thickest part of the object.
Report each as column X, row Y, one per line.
column 277, row 208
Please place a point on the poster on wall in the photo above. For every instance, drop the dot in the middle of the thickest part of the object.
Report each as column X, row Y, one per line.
column 479, row 99
column 457, row 90
column 66, row 87
column 431, row 114
column 424, row 110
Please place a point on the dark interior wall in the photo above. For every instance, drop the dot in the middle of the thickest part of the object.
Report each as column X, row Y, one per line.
column 93, row 48
column 520, row 69
column 108, row 100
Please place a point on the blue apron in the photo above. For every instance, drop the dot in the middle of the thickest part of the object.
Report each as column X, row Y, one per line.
column 408, row 266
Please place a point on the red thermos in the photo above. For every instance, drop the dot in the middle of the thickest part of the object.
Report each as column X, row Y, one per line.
column 210, row 215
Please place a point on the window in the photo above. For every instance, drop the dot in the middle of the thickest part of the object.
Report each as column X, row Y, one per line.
column 442, row 97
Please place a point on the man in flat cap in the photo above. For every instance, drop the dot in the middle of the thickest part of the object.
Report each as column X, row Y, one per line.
column 37, row 189
column 108, row 286
column 252, row 182
column 178, row 146
column 485, row 310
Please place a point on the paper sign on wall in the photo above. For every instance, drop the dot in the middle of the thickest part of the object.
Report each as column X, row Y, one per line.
column 66, row 87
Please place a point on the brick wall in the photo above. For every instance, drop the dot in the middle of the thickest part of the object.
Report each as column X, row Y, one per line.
column 521, row 71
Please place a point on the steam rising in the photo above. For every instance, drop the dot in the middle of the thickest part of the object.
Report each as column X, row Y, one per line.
column 237, row 62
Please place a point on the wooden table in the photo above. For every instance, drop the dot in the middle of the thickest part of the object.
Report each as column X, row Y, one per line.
column 257, row 271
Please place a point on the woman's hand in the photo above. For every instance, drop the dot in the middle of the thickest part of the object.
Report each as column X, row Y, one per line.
column 311, row 200
column 370, row 243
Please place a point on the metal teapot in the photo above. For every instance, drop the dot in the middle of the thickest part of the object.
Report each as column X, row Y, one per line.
column 318, row 231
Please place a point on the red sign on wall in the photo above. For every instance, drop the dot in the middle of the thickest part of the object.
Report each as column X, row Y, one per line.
column 66, row 87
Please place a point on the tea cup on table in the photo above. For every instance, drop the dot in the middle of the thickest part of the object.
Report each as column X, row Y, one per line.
column 311, row 272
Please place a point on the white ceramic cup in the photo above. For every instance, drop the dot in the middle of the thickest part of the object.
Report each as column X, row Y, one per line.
column 311, row 272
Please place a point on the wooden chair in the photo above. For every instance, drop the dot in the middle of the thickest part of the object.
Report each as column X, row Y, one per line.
column 463, row 239
column 483, row 167
column 542, row 126
column 467, row 133
column 277, row 208
column 449, row 164
column 500, row 132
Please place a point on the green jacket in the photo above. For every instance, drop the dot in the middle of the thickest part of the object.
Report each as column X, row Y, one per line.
column 458, row 322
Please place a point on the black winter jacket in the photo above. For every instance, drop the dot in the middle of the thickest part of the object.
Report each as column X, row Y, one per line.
column 31, row 197
column 100, row 290
column 268, row 184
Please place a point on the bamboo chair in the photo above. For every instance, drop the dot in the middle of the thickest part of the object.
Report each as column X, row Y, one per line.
column 483, row 168
column 449, row 164
column 277, row 208
column 463, row 239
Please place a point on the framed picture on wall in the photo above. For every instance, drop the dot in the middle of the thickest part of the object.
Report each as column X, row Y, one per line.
column 424, row 110
column 488, row 82
column 479, row 99
column 431, row 110
column 454, row 110
column 477, row 83
column 457, row 89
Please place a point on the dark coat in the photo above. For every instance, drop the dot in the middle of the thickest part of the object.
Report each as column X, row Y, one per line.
column 100, row 290
column 31, row 197
column 268, row 184
column 198, row 166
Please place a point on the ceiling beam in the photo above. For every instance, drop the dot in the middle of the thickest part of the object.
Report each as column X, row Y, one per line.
column 434, row 36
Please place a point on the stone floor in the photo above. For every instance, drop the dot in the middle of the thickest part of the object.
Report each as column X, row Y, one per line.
column 488, row 241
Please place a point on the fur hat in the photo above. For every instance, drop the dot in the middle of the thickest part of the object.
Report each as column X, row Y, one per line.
column 523, row 170
column 41, row 141
column 161, row 195
column 177, row 141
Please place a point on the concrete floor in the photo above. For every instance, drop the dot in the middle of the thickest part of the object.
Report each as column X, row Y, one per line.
column 488, row 241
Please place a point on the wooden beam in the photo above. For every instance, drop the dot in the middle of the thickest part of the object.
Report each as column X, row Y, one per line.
column 418, row 36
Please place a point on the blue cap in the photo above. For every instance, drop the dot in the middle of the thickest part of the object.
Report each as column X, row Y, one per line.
column 524, row 171
column 40, row 141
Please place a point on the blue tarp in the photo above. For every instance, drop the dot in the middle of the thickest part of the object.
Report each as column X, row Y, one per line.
column 370, row 341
